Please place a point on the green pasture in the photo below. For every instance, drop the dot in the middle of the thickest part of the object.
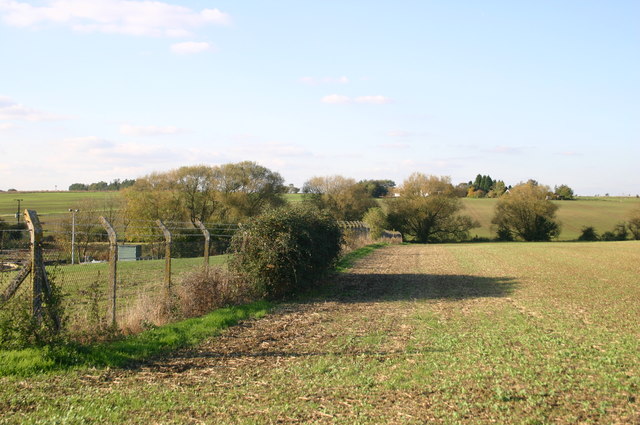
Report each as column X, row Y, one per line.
column 603, row 213
column 45, row 203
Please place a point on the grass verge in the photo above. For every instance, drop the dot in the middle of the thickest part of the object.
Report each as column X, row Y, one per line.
column 349, row 260
column 138, row 347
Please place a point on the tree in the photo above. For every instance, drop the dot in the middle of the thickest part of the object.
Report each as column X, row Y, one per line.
column 376, row 219
column 378, row 188
column 428, row 210
column 342, row 197
column 78, row 186
column 422, row 185
column 563, row 192
column 526, row 213
column 247, row 188
column 634, row 223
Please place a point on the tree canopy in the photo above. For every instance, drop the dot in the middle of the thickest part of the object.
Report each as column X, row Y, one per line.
column 428, row 210
column 342, row 197
column 526, row 213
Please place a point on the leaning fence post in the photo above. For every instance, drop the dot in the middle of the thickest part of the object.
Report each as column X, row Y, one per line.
column 207, row 238
column 167, row 254
column 113, row 265
column 37, row 262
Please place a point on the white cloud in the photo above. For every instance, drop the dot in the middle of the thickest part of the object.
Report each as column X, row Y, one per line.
column 336, row 99
column 148, row 130
column 313, row 81
column 140, row 18
column 376, row 100
column 6, row 126
column 190, row 47
column 10, row 110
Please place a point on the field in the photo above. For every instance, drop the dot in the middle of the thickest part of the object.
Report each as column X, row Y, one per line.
column 601, row 212
column 511, row 333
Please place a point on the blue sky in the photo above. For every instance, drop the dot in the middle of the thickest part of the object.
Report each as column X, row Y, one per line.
column 104, row 89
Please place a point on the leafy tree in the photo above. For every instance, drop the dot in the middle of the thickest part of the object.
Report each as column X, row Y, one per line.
column 634, row 224
column 428, row 210
column 526, row 213
column 78, row 187
column 378, row 188
column 376, row 219
column 588, row 234
column 563, row 192
column 342, row 197
column 619, row 233
column 422, row 185
column 247, row 188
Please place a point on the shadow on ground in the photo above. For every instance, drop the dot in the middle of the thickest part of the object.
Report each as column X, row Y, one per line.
column 354, row 288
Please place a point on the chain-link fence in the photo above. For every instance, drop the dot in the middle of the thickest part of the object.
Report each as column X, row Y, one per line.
column 111, row 275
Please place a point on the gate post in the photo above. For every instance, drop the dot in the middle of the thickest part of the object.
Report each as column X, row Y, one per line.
column 113, row 265
column 167, row 254
column 207, row 238
column 37, row 262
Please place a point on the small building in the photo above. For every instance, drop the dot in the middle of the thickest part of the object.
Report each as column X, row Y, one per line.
column 129, row 252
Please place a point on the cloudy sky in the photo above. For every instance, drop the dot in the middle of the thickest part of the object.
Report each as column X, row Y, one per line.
column 104, row 89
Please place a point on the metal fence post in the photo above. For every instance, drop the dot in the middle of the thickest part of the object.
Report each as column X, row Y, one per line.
column 207, row 238
column 37, row 262
column 113, row 266
column 167, row 254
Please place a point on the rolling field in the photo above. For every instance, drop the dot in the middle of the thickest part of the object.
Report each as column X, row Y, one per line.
column 602, row 212
column 511, row 333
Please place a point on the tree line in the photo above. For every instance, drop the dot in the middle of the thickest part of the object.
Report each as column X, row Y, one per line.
column 103, row 186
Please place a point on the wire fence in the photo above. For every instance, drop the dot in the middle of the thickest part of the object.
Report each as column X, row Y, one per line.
column 100, row 293
column 111, row 275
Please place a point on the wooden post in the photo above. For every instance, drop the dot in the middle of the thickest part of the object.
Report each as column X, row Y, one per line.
column 207, row 238
column 113, row 266
column 167, row 254
column 37, row 262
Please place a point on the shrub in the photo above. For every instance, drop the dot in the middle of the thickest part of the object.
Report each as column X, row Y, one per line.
column 619, row 233
column 208, row 288
column 286, row 249
column 376, row 219
column 588, row 234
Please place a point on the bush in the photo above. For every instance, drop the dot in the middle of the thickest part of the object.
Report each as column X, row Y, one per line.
column 209, row 288
column 589, row 234
column 286, row 249
column 619, row 233
column 376, row 219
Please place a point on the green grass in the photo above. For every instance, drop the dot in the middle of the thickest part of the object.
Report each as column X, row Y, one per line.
column 46, row 203
column 510, row 333
column 122, row 352
column 603, row 213
column 347, row 261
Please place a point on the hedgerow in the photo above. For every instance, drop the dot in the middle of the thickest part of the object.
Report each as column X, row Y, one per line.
column 286, row 250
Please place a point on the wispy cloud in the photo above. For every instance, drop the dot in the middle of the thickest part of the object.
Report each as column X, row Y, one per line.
column 6, row 126
column 341, row 99
column 11, row 110
column 191, row 47
column 148, row 130
column 138, row 18
column 510, row 150
column 314, row 81
column 570, row 153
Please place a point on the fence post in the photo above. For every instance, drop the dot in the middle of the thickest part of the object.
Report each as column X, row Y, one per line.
column 207, row 238
column 37, row 262
column 167, row 254
column 113, row 265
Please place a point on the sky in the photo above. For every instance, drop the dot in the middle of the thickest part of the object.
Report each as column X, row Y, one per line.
column 114, row 89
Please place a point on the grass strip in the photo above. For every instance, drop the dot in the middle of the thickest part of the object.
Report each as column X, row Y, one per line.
column 144, row 345
column 348, row 261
